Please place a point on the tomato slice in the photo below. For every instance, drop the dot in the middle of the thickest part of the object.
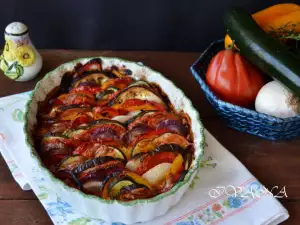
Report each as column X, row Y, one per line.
column 60, row 126
column 62, row 97
column 86, row 89
column 94, row 65
column 80, row 98
column 81, row 148
column 94, row 149
column 137, row 104
column 74, row 113
column 54, row 157
column 119, row 83
column 151, row 135
column 55, row 102
column 143, row 163
column 158, row 158
column 81, row 120
column 107, row 112
column 86, row 150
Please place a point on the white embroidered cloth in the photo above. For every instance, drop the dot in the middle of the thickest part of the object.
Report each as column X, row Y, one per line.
column 223, row 192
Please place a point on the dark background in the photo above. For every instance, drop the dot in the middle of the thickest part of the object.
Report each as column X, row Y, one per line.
column 188, row 25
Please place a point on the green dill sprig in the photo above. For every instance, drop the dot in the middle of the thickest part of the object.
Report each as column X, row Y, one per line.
column 286, row 31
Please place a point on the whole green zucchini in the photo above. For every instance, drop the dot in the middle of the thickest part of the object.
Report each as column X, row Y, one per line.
column 262, row 50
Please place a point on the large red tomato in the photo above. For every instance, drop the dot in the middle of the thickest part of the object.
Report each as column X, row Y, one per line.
column 233, row 79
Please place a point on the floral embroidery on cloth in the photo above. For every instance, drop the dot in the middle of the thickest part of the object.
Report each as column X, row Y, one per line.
column 224, row 206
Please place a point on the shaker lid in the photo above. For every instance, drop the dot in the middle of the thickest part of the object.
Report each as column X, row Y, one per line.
column 16, row 29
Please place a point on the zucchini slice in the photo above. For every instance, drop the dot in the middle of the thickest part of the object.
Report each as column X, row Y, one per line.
column 115, row 178
column 141, row 114
column 143, row 145
column 105, row 121
column 103, row 95
column 125, row 118
column 53, row 142
column 75, row 133
column 262, row 50
column 115, row 190
column 110, row 151
column 136, row 92
column 140, row 83
column 72, row 162
column 121, row 72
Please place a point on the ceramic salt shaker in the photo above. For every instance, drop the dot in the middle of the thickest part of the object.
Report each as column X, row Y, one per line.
column 20, row 61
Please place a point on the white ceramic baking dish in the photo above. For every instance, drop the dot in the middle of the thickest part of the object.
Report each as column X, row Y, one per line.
column 112, row 210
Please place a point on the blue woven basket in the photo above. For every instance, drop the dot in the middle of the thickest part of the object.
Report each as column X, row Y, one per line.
column 239, row 118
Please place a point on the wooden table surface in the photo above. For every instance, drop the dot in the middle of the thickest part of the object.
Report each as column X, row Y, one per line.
column 273, row 163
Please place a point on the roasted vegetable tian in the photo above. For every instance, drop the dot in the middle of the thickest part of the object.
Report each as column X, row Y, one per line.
column 107, row 134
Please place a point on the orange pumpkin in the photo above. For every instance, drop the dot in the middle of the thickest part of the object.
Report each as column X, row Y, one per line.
column 276, row 16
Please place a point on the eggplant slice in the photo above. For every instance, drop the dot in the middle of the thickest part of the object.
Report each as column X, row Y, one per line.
column 92, row 187
column 100, row 172
column 134, row 134
column 94, row 162
column 133, row 192
column 120, row 72
column 96, row 78
column 97, row 130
